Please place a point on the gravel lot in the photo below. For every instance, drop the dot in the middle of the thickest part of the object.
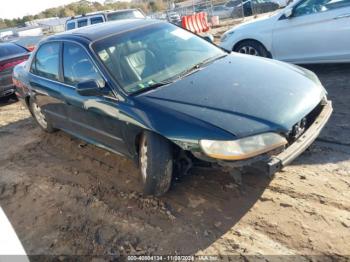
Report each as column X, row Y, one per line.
column 65, row 197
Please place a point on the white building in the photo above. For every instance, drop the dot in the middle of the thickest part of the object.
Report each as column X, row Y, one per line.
column 6, row 32
column 29, row 31
column 51, row 25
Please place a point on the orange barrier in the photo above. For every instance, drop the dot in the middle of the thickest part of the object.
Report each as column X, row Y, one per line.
column 204, row 19
column 197, row 23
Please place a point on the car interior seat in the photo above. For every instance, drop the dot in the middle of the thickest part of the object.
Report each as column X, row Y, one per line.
column 137, row 62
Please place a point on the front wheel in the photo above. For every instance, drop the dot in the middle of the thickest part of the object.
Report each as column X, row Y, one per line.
column 156, row 164
column 251, row 47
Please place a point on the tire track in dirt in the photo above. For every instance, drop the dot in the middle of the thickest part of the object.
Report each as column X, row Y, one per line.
column 309, row 197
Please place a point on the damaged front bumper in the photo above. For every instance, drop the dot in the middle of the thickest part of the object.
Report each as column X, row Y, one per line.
column 302, row 143
column 275, row 161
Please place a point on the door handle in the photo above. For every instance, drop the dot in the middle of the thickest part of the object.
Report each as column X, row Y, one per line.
column 342, row 16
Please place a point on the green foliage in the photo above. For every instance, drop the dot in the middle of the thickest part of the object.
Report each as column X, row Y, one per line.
column 83, row 7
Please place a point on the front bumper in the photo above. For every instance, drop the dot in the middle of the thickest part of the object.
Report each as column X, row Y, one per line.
column 274, row 161
column 277, row 162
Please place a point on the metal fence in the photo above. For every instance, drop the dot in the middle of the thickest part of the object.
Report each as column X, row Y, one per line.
column 223, row 9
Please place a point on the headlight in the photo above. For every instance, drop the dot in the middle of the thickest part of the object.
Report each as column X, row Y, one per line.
column 242, row 148
column 226, row 35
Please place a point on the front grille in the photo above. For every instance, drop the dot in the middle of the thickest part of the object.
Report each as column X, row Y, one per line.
column 299, row 128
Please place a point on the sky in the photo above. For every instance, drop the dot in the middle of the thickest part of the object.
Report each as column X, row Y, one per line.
column 19, row 8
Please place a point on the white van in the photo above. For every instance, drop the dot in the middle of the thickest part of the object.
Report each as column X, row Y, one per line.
column 101, row 17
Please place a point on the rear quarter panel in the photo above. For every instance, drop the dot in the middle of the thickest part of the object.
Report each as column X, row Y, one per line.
column 20, row 80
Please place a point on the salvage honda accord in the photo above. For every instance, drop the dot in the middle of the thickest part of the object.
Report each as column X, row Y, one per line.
column 168, row 99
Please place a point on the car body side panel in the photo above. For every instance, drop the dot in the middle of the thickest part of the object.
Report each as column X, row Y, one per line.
column 49, row 95
column 97, row 118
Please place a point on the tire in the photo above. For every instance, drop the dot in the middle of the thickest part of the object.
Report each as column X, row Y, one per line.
column 40, row 117
column 251, row 47
column 156, row 164
column 14, row 97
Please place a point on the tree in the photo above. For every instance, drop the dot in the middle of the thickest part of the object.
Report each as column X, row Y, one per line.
column 2, row 23
column 156, row 6
column 66, row 12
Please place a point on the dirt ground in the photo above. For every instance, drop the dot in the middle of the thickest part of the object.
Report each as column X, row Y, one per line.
column 65, row 197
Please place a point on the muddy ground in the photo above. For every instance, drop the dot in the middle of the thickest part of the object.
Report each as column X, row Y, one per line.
column 65, row 197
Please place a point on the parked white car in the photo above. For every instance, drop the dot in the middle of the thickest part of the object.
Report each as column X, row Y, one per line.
column 306, row 31
column 11, row 248
column 283, row 3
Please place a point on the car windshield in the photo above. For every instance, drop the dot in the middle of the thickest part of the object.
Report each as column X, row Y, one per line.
column 154, row 55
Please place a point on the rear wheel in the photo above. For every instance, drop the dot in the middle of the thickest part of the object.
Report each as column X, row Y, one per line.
column 40, row 117
column 14, row 97
column 251, row 47
column 156, row 164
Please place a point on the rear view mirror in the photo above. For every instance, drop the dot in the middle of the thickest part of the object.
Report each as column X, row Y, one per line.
column 288, row 12
column 89, row 88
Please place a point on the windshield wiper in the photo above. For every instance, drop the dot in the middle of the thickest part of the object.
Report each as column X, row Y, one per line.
column 158, row 84
column 153, row 86
column 200, row 65
column 183, row 74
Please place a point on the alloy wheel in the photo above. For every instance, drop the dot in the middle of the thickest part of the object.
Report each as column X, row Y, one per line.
column 249, row 50
column 143, row 158
column 39, row 116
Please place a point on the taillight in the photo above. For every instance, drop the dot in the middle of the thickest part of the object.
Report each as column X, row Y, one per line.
column 11, row 64
column 31, row 48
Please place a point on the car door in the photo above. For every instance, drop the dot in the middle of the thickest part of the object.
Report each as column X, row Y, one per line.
column 44, row 80
column 93, row 118
column 317, row 31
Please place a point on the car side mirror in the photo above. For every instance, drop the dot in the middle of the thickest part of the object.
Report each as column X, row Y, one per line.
column 89, row 88
column 288, row 12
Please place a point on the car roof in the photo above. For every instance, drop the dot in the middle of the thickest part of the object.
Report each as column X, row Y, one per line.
column 7, row 44
column 105, row 12
column 97, row 31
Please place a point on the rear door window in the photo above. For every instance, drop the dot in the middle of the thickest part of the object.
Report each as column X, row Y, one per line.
column 46, row 61
column 96, row 20
column 71, row 25
column 82, row 22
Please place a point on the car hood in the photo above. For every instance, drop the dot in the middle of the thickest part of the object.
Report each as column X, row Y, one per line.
column 243, row 95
